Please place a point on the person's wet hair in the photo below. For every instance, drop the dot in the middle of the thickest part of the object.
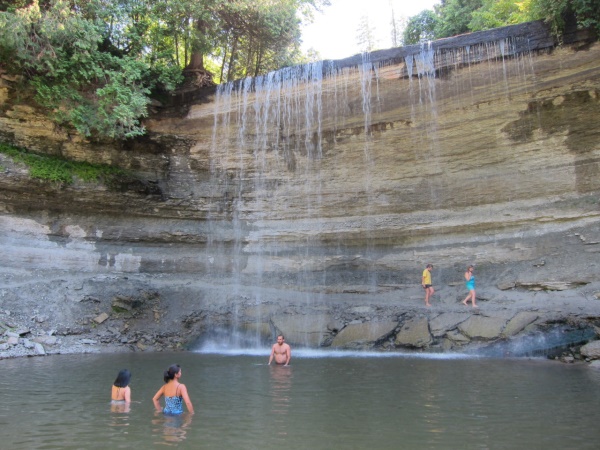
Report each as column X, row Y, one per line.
column 171, row 372
column 123, row 378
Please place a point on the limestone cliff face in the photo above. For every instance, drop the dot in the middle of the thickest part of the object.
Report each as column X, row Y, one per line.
column 336, row 180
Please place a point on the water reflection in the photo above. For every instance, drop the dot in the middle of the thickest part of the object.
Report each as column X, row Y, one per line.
column 170, row 429
column 280, row 391
column 120, row 407
column 432, row 399
column 120, row 420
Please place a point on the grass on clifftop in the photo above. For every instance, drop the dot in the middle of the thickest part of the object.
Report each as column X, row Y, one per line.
column 53, row 168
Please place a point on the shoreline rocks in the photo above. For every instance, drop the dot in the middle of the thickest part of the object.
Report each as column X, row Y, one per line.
column 165, row 314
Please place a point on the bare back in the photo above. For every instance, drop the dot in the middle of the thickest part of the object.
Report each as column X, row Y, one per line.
column 121, row 393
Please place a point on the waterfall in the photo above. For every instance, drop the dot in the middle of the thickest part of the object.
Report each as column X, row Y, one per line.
column 279, row 225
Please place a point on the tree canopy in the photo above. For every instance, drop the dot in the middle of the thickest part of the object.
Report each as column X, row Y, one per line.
column 452, row 17
column 94, row 63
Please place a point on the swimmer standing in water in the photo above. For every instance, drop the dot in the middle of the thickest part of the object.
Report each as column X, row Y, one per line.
column 174, row 392
column 120, row 395
column 281, row 352
column 121, row 392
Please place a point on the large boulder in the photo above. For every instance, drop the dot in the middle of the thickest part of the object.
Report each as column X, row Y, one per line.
column 414, row 333
column 363, row 334
column 305, row 330
column 445, row 322
column 518, row 323
column 481, row 327
column 591, row 350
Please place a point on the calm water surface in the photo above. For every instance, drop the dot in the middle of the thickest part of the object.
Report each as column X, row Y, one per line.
column 322, row 401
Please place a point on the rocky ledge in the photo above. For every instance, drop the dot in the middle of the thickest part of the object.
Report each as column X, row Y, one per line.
column 142, row 313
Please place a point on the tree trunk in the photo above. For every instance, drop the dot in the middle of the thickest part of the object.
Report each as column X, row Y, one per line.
column 259, row 57
column 194, row 73
column 196, row 62
column 223, row 62
column 232, row 56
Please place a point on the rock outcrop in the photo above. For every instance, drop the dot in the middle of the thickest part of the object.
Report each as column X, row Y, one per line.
column 307, row 195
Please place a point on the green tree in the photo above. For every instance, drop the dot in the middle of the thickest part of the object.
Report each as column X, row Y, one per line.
column 93, row 63
column 58, row 52
column 498, row 13
column 587, row 13
column 257, row 36
column 454, row 16
column 420, row 27
column 13, row 5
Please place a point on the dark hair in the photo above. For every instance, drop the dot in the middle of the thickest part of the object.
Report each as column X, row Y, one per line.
column 430, row 265
column 171, row 372
column 123, row 378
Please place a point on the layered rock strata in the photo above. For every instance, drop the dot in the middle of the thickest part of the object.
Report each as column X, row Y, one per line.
column 333, row 190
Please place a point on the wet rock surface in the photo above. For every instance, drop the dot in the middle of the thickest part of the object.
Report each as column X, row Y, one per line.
column 169, row 316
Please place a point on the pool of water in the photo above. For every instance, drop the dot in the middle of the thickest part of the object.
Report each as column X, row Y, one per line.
column 323, row 400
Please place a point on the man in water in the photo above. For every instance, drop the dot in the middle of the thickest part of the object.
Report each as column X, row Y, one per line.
column 281, row 352
column 426, row 283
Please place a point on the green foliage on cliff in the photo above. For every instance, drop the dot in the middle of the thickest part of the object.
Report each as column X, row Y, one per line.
column 58, row 52
column 586, row 12
column 94, row 63
column 452, row 17
column 53, row 168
